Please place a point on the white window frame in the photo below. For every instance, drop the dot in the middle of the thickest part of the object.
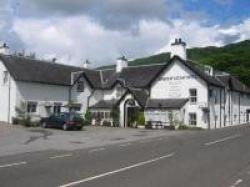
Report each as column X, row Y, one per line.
column 193, row 98
column 31, row 107
column 192, row 122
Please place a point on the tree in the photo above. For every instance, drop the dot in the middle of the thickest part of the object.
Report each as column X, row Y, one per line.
column 88, row 117
column 141, row 118
column 115, row 115
column 23, row 117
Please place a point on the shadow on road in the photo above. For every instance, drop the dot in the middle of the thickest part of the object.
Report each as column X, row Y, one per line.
column 44, row 135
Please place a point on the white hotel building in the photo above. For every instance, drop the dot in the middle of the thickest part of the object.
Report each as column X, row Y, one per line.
column 192, row 94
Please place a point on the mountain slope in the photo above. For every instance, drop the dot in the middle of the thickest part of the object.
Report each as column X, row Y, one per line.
column 232, row 58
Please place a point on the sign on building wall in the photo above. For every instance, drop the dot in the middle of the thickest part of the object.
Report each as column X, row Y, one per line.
column 175, row 84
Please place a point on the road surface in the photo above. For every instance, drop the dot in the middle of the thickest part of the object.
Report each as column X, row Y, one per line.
column 215, row 158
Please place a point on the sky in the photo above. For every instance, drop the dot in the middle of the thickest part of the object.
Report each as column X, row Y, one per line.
column 103, row 30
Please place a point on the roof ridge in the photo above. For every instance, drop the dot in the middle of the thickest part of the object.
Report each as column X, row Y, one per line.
column 42, row 61
column 146, row 65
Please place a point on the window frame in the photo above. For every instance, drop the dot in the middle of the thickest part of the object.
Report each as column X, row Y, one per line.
column 192, row 122
column 80, row 86
column 191, row 97
column 57, row 108
column 31, row 107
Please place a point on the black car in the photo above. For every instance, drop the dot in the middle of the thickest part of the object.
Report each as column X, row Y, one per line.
column 65, row 121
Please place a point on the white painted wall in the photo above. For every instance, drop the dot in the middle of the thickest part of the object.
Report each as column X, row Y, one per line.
column 167, row 86
column 7, row 96
column 41, row 93
column 81, row 97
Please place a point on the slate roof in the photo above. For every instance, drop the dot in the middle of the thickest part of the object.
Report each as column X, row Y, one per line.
column 104, row 104
column 166, row 103
column 141, row 96
column 30, row 70
column 233, row 83
column 194, row 67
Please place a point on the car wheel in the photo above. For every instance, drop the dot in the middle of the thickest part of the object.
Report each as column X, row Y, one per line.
column 79, row 128
column 44, row 125
column 65, row 127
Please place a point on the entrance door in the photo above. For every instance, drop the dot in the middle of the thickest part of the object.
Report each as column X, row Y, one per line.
column 248, row 115
column 132, row 115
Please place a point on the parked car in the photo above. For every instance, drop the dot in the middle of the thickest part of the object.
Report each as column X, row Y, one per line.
column 65, row 121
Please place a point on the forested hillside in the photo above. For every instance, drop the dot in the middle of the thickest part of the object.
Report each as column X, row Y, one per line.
column 232, row 58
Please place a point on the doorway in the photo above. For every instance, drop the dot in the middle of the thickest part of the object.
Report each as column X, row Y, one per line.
column 248, row 116
column 132, row 113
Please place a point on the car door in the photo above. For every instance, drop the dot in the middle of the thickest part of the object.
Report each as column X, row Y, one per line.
column 51, row 121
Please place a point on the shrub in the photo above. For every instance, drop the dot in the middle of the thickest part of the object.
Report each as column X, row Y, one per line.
column 141, row 118
column 26, row 121
column 15, row 121
column 148, row 125
column 87, row 118
column 115, row 114
column 183, row 127
column 106, row 123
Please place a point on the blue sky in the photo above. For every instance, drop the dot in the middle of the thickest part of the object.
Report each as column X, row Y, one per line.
column 223, row 12
column 101, row 31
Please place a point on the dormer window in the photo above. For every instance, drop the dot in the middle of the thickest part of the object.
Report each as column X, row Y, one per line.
column 80, row 85
column 5, row 77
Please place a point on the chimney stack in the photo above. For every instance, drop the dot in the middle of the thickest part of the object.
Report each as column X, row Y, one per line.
column 178, row 48
column 86, row 64
column 4, row 49
column 121, row 63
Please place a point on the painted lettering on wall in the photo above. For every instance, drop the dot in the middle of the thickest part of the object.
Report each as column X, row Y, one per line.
column 173, row 78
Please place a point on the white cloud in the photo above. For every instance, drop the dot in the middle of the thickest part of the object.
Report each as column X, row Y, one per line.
column 74, row 38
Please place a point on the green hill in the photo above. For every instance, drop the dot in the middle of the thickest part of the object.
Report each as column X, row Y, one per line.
column 232, row 58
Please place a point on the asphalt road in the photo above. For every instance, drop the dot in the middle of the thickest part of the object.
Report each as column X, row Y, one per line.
column 214, row 158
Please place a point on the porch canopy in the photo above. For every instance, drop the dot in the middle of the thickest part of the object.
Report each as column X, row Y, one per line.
column 104, row 104
column 166, row 103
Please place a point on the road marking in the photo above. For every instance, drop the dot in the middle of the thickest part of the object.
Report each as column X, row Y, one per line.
column 237, row 183
column 12, row 164
column 117, row 171
column 96, row 150
column 60, row 156
column 222, row 140
column 125, row 145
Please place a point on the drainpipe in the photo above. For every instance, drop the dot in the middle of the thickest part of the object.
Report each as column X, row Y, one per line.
column 239, row 108
column 9, row 99
column 224, row 107
column 208, row 105
column 220, row 108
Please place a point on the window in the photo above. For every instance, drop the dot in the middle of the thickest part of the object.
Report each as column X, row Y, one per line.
column 107, row 115
column 211, row 93
column 31, row 107
column 192, row 119
column 193, row 96
column 5, row 77
column 80, row 86
column 57, row 108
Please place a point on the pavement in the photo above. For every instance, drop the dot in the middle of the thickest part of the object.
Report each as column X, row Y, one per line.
column 215, row 158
